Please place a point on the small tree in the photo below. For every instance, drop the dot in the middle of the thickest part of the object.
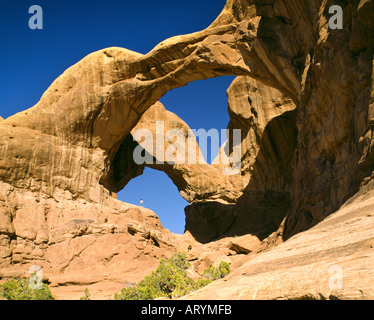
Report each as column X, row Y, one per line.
column 170, row 280
column 20, row 290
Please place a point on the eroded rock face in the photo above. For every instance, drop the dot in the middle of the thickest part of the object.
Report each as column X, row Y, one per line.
column 303, row 100
column 79, row 243
column 317, row 264
column 266, row 119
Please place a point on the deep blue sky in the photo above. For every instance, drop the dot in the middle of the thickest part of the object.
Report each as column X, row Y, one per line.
column 31, row 59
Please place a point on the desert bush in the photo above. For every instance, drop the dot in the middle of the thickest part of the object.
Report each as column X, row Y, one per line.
column 87, row 295
column 213, row 273
column 170, row 280
column 19, row 289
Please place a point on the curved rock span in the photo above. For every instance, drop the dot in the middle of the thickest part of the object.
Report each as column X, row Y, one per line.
column 303, row 100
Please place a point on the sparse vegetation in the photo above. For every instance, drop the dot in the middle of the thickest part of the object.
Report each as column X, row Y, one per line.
column 19, row 289
column 213, row 273
column 170, row 280
column 87, row 295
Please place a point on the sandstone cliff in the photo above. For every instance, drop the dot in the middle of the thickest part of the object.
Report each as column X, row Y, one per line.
column 333, row 260
column 303, row 98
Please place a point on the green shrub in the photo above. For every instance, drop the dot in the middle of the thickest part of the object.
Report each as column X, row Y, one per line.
column 87, row 295
column 214, row 273
column 170, row 280
column 20, row 290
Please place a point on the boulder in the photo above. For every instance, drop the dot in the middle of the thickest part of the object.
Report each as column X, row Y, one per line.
column 245, row 244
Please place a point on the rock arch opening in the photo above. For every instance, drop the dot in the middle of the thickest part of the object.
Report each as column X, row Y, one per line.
column 159, row 194
column 203, row 105
column 224, row 204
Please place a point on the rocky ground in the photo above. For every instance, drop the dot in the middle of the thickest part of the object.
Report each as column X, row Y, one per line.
column 333, row 260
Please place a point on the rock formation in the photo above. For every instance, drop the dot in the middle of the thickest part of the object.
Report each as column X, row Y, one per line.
column 333, row 260
column 303, row 98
